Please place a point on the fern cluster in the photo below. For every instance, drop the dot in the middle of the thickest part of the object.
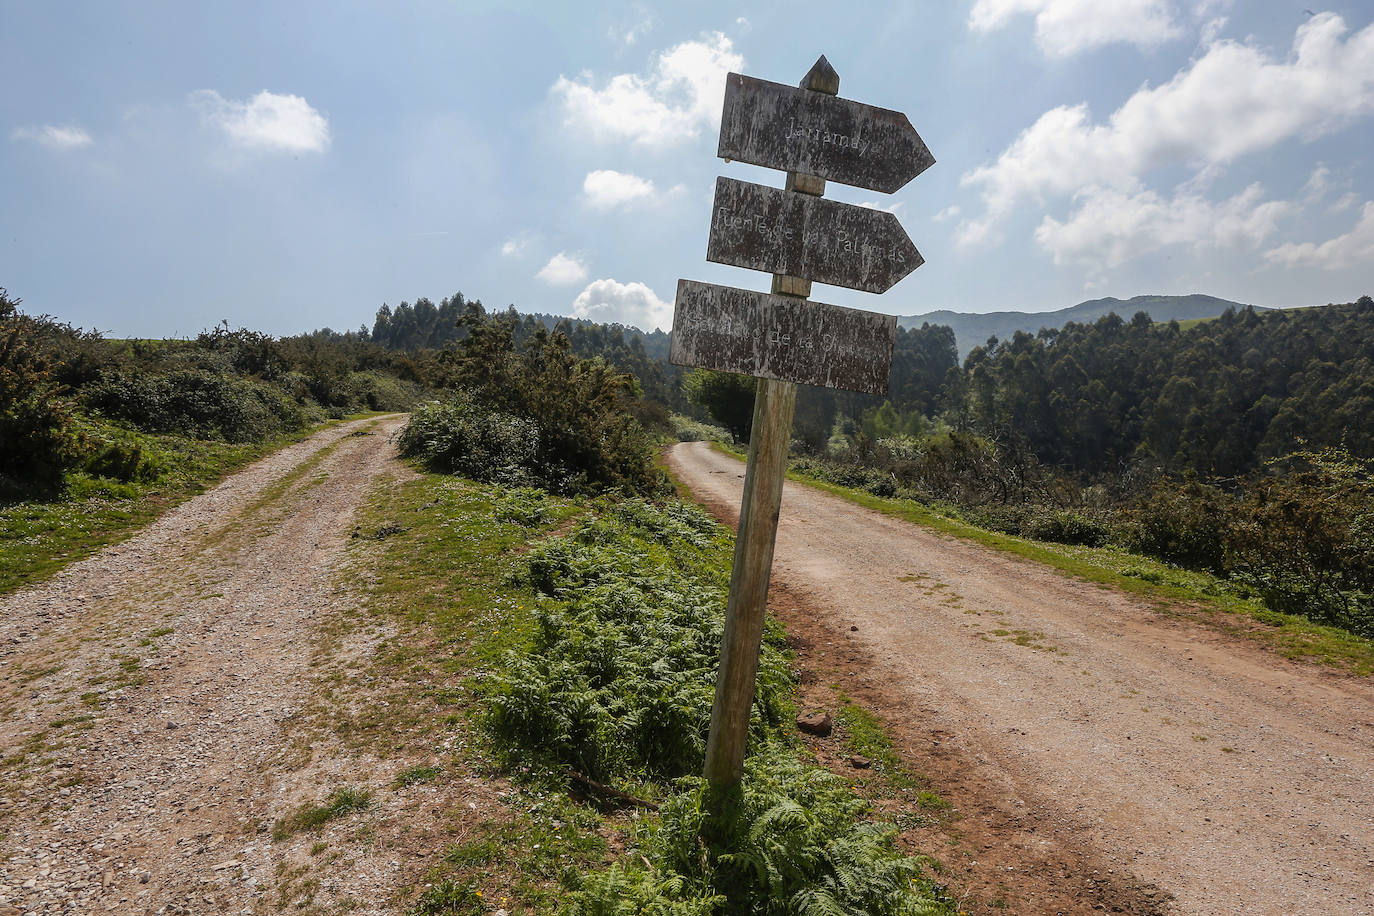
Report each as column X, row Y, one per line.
column 619, row 684
column 798, row 844
column 621, row 676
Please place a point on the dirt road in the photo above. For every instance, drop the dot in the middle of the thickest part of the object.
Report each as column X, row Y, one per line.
column 145, row 689
column 1237, row 781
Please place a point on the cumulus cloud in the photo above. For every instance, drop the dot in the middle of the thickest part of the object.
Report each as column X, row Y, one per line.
column 62, row 137
column 562, row 270
column 1064, row 27
column 632, row 304
column 1232, row 101
column 1355, row 248
column 673, row 103
column 1111, row 226
column 267, row 121
column 606, row 189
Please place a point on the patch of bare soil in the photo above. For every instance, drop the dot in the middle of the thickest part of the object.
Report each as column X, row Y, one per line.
column 157, row 711
column 1100, row 756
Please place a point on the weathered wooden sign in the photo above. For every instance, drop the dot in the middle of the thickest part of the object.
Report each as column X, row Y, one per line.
column 786, row 339
column 781, row 337
column 781, row 127
column 785, row 232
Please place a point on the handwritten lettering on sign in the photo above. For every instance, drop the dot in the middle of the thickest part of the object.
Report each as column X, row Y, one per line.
column 781, row 337
column 783, row 127
column 783, row 232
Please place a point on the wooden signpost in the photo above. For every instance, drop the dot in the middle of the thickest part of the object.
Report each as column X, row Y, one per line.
column 787, row 232
column 816, row 133
column 782, row 338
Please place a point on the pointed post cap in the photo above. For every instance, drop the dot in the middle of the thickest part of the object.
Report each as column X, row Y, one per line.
column 822, row 78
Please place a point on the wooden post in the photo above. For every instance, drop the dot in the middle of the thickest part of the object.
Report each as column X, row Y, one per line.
column 774, row 402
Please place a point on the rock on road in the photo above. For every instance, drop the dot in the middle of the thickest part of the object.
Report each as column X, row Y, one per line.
column 1238, row 781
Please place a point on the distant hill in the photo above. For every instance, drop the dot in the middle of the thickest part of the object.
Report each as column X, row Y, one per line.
column 971, row 330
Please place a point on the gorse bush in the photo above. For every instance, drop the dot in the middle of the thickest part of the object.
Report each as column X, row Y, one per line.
column 621, row 676
column 1304, row 539
column 195, row 403
column 587, row 438
column 37, row 443
column 458, row 437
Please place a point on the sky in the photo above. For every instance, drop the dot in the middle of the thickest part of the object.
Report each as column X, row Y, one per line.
column 287, row 166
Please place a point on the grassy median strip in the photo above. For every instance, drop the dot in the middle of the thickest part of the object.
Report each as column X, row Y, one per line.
column 569, row 646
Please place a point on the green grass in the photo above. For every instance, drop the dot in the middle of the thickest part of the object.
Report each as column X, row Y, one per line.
column 341, row 801
column 468, row 582
column 866, row 735
column 39, row 537
column 1174, row 591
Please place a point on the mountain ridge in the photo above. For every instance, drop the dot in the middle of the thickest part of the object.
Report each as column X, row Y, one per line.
column 973, row 329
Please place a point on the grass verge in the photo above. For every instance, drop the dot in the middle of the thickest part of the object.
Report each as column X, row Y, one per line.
column 533, row 636
column 39, row 537
column 1172, row 590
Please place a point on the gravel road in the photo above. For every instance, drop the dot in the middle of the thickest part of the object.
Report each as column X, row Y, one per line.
column 145, row 689
column 1237, row 781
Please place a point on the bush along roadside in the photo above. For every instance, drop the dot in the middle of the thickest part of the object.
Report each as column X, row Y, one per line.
column 617, row 690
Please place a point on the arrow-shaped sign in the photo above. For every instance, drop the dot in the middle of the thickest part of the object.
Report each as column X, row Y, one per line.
column 781, row 337
column 784, row 232
column 782, row 127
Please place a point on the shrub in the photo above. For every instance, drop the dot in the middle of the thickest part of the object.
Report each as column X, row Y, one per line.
column 195, row 403
column 378, row 391
column 1304, row 539
column 37, row 442
column 1188, row 524
column 586, row 439
column 458, row 437
column 1066, row 527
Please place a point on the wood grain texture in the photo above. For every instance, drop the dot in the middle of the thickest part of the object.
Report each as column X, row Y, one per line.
column 781, row 337
column 774, row 403
column 814, row 133
column 785, row 232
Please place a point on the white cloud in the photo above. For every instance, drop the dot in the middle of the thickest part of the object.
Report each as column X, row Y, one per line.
column 1344, row 202
column 631, row 304
column 1232, row 101
column 267, row 121
column 893, row 207
column 947, row 213
column 1354, row 248
column 1112, row 226
column 673, row 103
column 516, row 244
column 1064, row 27
column 62, row 137
column 562, row 270
column 606, row 189
column 629, row 34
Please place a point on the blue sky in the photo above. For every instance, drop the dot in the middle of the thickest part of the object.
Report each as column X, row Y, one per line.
column 291, row 165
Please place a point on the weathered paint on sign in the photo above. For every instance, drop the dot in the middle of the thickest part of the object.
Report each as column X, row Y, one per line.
column 799, row 235
column 781, row 337
column 782, row 127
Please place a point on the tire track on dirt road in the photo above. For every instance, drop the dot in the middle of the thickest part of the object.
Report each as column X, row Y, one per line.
column 145, row 690
column 1238, row 781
